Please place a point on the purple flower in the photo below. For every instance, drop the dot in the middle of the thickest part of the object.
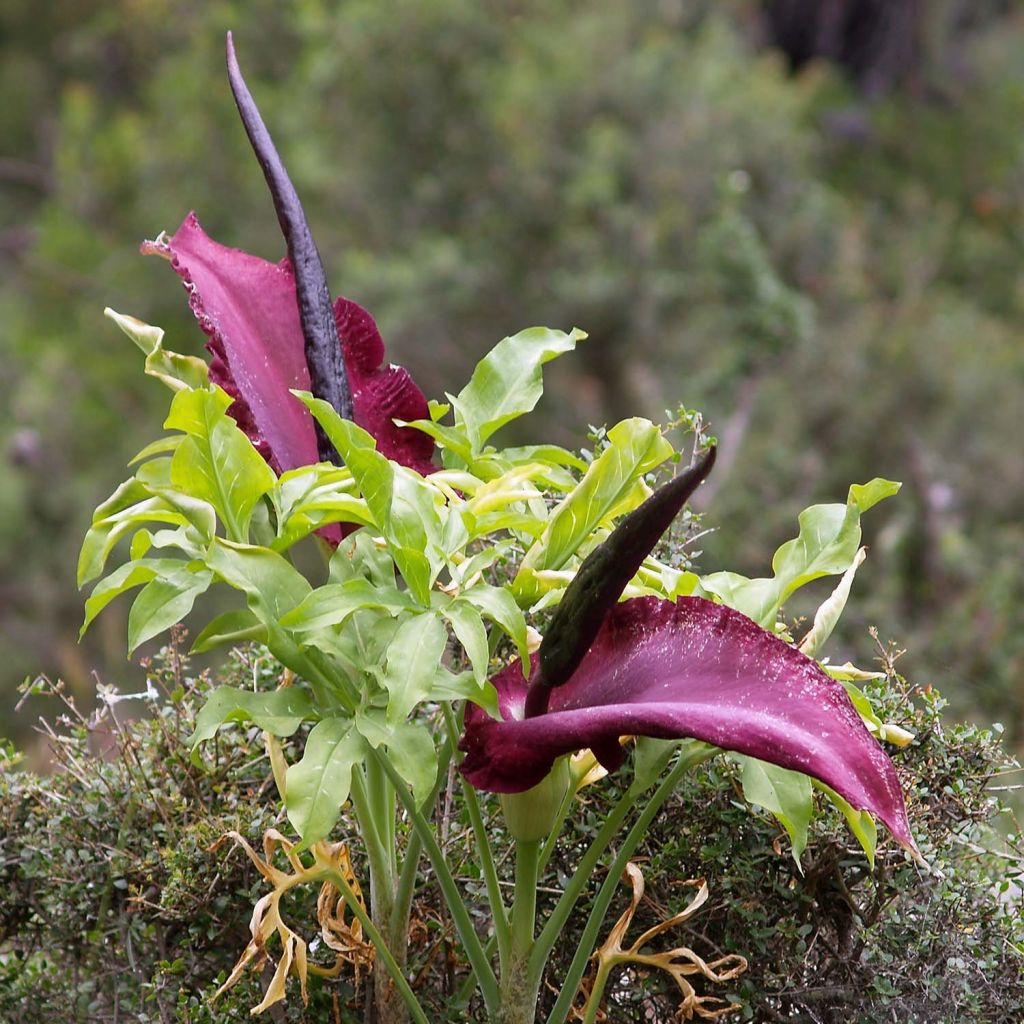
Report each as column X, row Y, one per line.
column 672, row 669
column 272, row 328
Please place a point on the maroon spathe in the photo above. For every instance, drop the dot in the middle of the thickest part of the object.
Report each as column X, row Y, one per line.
column 689, row 668
column 247, row 308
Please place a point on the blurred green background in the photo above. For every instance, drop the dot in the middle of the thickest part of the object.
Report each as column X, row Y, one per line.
column 805, row 219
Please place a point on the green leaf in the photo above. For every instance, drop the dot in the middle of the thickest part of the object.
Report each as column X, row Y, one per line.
column 216, row 461
column 174, row 370
column 131, row 506
column 158, row 447
column 512, row 487
column 863, row 706
column 412, row 660
column 827, row 615
column 279, row 712
column 406, row 509
column 612, row 486
column 131, row 574
column 469, row 628
column 412, row 752
column 234, row 627
column 317, row 786
column 650, row 758
column 508, row 382
column 827, row 545
column 862, row 825
column 272, row 585
column 451, row 439
column 463, row 686
column 165, row 601
column 498, row 605
column 313, row 496
column 331, row 604
column 787, row 794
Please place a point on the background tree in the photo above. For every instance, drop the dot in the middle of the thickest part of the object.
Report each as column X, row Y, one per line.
column 829, row 269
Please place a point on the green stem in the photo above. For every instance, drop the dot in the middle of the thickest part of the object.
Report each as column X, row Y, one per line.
column 381, row 947
column 379, row 858
column 524, row 903
column 567, row 901
column 465, row 992
column 460, row 915
column 413, row 849
column 518, row 991
column 693, row 754
column 604, row 968
column 556, row 831
column 499, row 912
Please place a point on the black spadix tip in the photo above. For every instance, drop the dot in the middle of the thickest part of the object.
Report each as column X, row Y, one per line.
column 601, row 579
column 328, row 379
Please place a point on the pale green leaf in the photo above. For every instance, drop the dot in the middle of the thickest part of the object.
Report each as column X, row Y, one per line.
column 406, row 509
column 449, row 439
column 826, row 545
column 176, row 371
column 787, row 794
column 279, row 712
column 131, row 574
column 130, row 507
column 317, row 785
column 827, row 615
column 272, row 585
column 861, row 824
column 234, row 627
column 411, row 750
column 412, row 660
column 165, row 601
column 612, row 486
column 498, row 605
column 159, row 447
column 863, row 706
column 469, row 628
column 331, row 604
column 216, row 462
column 508, row 381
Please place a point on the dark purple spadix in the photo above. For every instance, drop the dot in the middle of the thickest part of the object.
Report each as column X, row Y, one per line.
column 271, row 330
column 601, row 580
column 323, row 348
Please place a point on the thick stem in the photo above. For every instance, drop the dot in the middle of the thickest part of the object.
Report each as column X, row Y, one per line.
column 518, row 992
column 370, row 800
column 414, row 848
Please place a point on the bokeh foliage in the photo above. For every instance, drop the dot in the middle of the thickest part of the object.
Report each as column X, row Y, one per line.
column 837, row 283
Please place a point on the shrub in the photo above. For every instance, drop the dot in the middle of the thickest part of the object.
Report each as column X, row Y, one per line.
column 114, row 906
